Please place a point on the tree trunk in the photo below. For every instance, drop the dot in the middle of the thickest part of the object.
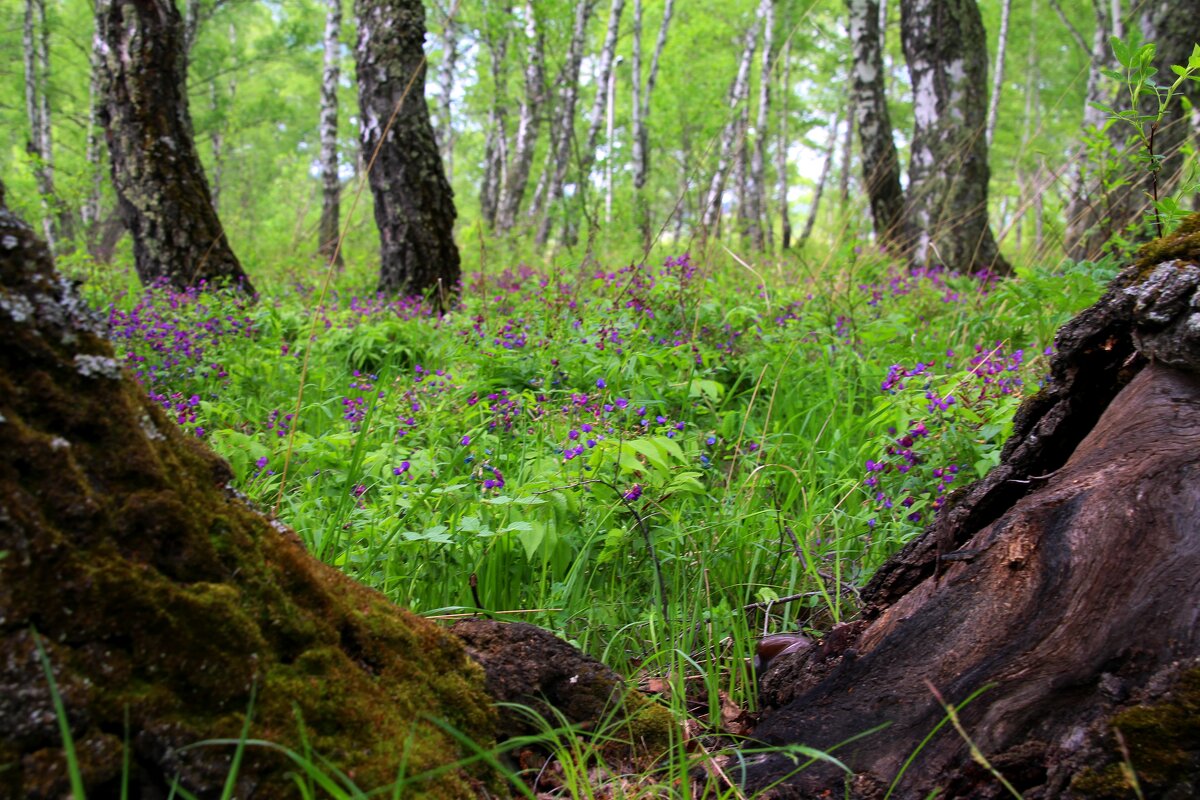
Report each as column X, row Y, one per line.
column 169, row 611
column 1061, row 589
column 563, row 134
column 847, row 159
column 738, row 92
column 641, row 111
column 781, row 164
column 216, row 137
column 998, row 76
column 329, row 228
column 946, row 50
column 826, row 170
column 164, row 197
column 445, row 128
column 495, row 148
column 608, row 53
column 880, row 164
column 414, row 205
column 56, row 218
column 528, row 124
column 756, row 191
column 90, row 212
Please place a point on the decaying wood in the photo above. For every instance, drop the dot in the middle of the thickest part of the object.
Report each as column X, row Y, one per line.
column 1063, row 586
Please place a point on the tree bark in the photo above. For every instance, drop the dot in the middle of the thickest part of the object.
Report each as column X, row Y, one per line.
column 781, row 164
column 738, row 92
column 641, row 111
column 329, row 227
column 495, row 149
column 164, row 198
column 756, row 191
column 947, row 202
column 528, row 124
column 57, row 223
column 414, row 206
column 826, row 170
column 608, row 53
column 563, row 134
column 1062, row 586
column 998, row 72
column 880, row 164
column 446, row 136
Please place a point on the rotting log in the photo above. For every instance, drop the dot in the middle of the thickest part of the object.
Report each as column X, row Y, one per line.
column 1058, row 595
column 164, row 603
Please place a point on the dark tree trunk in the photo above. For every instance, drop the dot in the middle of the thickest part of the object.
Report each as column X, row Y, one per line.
column 167, row 607
column 1063, row 585
column 164, row 197
column 414, row 205
column 946, row 51
column 880, row 164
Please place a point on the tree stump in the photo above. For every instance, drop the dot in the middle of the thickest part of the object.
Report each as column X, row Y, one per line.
column 164, row 603
column 1063, row 589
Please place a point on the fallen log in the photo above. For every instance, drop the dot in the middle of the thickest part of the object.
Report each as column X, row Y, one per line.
column 1053, row 604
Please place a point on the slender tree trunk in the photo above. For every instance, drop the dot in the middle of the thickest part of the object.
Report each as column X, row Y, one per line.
column 329, row 228
column 165, row 199
column 738, row 92
column 446, row 136
column 528, row 124
column 641, row 111
column 880, row 163
column 57, row 223
column 603, row 78
column 946, row 50
column 998, row 76
column 563, row 134
column 847, row 160
column 495, row 156
column 220, row 124
column 781, row 164
column 90, row 213
column 826, row 170
column 741, row 172
column 414, row 205
column 756, row 193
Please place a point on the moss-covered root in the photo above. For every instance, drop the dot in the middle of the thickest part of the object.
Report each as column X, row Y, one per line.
column 165, row 601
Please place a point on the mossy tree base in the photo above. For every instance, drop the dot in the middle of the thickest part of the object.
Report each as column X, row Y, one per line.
column 1067, row 581
column 164, row 601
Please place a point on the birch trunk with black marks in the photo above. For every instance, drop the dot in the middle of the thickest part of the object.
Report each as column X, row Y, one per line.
column 738, row 92
column 741, row 172
column 446, row 137
column 608, row 53
column 826, row 170
column 216, row 136
column 781, row 147
column 164, row 198
column 528, row 124
column 847, row 169
column 641, row 111
column 57, row 223
column 756, row 198
column 90, row 212
column 496, row 36
column 329, row 227
column 880, row 163
column 998, row 72
column 562, row 136
column 947, row 202
column 414, row 205
column 1052, row 603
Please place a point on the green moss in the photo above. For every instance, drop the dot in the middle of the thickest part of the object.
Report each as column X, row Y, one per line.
column 1164, row 745
column 1183, row 244
column 161, row 594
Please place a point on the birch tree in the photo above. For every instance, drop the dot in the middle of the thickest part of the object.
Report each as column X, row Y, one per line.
column 528, row 124
column 604, row 70
column 826, row 170
column 563, row 133
column 496, row 35
column 446, row 136
column 641, row 111
column 414, row 206
column 756, row 191
column 329, row 228
column 57, row 224
column 738, row 92
column 998, row 72
column 164, row 198
column 946, row 50
column 880, row 163
column 781, row 146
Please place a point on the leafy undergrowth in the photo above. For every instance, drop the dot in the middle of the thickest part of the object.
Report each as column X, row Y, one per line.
column 660, row 462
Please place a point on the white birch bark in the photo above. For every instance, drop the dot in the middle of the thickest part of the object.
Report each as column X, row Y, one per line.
column 738, row 92
column 998, row 73
column 496, row 142
column 781, row 147
column 329, row 227
column 446, row 136
column 607, row 57
column 564, row 130
column 756, row 190
column 641, row 111
column 826, row 171
column 528, row 124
